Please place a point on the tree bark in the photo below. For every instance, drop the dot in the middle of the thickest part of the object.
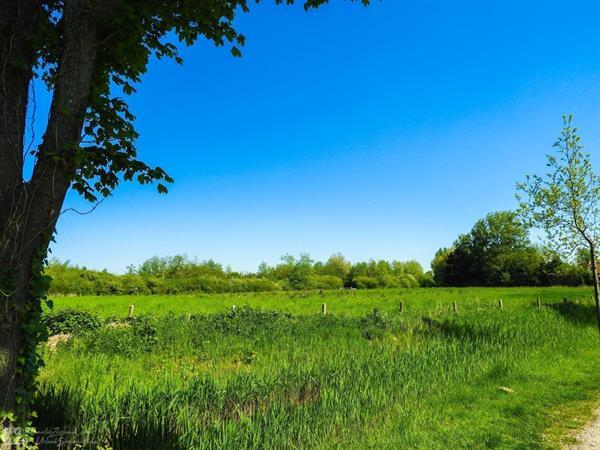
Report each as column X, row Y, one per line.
column 595, row 281
column 12, row 316
column 29, row 210
column 17, row 21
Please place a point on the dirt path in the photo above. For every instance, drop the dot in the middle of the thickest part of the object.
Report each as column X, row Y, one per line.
column 589, row 437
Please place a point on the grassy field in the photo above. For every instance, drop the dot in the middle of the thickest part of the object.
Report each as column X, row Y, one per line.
column 350, row 303
column 274, row 373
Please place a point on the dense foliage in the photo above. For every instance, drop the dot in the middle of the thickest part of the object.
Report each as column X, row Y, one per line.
column 498, row 252
column 179, row 274
column 67, row 321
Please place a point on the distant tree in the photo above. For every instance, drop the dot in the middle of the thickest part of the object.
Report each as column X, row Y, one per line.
column 163, row 266
column 475, row 257
column 520, row 267
column 291, row 272
column 302, row 270
column 413, row 268
column 338, row 266
column 439, row 266
column 565, row 202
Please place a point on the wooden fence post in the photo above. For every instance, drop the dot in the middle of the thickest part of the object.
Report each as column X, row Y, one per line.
column 324, row 309
column 401, row 307
column 539, row 303
column 454, row 307
column 131, row 309
column 500, row 303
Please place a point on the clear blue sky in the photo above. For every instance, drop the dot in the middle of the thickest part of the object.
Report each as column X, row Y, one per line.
column 378, row 132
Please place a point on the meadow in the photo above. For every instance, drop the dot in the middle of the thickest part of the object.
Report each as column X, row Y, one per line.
column 268, row 370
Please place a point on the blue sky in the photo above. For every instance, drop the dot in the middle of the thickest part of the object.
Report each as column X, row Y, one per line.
column 379, row 132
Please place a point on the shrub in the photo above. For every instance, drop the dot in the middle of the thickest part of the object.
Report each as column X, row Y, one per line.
column 253, row 284
column 133, row 284
column 70, row 321
column 408, row 280
column 389, row 281
column 212, row 284
column 326, row 282
column 363, row 282
column 426, row 280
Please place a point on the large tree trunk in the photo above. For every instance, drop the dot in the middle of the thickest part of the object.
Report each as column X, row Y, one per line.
column 10, row 345
column 29, row 210
column 594, row 263
column 17, row 309
column 25, row 242
column 17, row 20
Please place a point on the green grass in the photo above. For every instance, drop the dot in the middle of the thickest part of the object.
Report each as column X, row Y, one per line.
column 426, row 378
column 352, row 303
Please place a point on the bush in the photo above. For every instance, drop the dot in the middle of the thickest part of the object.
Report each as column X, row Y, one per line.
column 408, row 280
column 363, row 282
column 388, row 281
column 210, row 284
column 253, row 284
column 70, row 321
column 326, row 282
column 426, row 280
column 133, row 285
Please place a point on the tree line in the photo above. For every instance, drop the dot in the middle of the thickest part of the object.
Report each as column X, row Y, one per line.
column 180, row 274
column 498, row 251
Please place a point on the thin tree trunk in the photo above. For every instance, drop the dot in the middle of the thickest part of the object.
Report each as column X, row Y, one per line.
column 594, row 267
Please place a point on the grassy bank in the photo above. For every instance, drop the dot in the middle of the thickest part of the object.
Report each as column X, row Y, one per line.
column 281, row 376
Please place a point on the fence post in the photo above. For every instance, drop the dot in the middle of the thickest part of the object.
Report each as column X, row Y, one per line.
column 500, row 303
column 131, row 309
column 324, row 309
column 539, row 303
column 454, row 307
column 401, row 307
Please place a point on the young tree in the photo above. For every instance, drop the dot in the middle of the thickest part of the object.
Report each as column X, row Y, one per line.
column 565, row 202
column 338, row 266
column 84, row 51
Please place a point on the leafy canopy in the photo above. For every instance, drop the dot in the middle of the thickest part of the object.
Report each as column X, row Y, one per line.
column 565, row 202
